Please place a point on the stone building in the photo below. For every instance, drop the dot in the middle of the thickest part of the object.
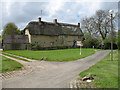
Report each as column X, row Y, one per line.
column 15, row 42
column 48, row 34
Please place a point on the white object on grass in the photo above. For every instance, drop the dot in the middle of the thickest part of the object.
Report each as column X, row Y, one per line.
column 88, row 80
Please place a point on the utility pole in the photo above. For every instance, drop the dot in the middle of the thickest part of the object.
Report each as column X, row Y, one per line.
column 111, row 40
column 111, row 13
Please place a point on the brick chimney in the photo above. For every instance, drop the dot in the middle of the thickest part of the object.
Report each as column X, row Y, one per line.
column 78, row 24
column 55, row 20
column 39, row 19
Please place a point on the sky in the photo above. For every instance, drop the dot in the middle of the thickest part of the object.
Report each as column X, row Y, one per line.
column 65, row 11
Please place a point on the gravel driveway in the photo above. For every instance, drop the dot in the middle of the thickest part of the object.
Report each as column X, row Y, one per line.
column 53, row 74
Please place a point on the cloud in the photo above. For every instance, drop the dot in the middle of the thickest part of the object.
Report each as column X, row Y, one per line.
column 54, row 6
column 1, row 32
column 21, row 13
column 109, row 5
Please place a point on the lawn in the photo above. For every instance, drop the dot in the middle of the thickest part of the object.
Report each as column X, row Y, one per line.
column 105, row 72
column 54, row 55
column 10, row 65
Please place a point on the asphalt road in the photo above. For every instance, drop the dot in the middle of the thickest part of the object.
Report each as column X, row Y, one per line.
column 53, row 74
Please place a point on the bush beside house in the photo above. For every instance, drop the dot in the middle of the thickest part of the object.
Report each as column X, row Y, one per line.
column 118, row 40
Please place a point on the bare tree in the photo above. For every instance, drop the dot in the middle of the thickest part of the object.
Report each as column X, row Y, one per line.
column 99, row 24
column 102, row 19
column 88, row 25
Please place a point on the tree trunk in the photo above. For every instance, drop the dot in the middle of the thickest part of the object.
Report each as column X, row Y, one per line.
column 102, row 46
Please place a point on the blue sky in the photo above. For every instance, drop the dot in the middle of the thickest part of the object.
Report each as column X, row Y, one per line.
column 65, row 11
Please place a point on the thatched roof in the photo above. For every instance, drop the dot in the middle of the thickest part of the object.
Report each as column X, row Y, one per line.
column 47, row 28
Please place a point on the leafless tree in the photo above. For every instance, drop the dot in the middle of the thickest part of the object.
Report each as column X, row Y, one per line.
column 99, row 24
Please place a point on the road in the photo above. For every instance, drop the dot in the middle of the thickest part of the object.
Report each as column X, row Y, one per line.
column 53, row 74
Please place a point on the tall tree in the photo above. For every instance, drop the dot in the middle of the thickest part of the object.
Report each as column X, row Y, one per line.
column 103, row 23
column 88, row 25
column 99, row 24
column 10, row 28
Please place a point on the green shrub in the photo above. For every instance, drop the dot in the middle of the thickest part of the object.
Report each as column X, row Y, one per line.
column 37, row 46
column 34, row 46
column 89, row 43
column 31, row 45
column 118, row 40
column 107, row 44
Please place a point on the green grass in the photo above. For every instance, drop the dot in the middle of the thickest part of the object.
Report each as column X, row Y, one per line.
column 54, row 55
column 16, row 57
column 105, row 72
column 10, row 65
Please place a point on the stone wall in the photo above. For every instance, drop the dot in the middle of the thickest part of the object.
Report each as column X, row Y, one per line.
column 15, row 46
column 54, row 41
column 15, row 39
column 15, row 42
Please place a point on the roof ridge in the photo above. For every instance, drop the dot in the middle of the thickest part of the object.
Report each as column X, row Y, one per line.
column 54, row 23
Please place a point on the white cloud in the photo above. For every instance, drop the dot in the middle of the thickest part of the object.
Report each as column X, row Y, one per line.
column 23, row 11
column 93, row 7
column 8, row 5
column 1, row 32
column 68, row 10
column 54, row 6
column 63, row 1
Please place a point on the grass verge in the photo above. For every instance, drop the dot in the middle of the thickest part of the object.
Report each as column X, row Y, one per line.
column 54, row 55
column 10, row 65
column 105, row 72
column 16, row 57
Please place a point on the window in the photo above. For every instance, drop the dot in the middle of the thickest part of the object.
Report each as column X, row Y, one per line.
column 52, row 43
column 36, row 42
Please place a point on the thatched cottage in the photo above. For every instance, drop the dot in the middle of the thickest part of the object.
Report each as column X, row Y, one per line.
column 45, row 34
column 48, row 34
